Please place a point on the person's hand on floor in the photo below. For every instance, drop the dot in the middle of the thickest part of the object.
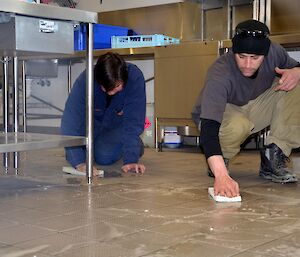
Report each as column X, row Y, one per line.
column 226, row 186
column 134, row 167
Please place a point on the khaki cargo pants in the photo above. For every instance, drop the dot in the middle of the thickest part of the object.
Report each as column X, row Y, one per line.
column 278, row 109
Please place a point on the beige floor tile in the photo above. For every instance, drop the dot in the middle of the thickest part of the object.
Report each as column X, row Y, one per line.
column 21, row 233
column 180, row 228
column 10, row 251
column 163, row 195
column 288, row 246
column 7, row 222
column 239, row 240
column 100, row 250
column 54, row 244
column 271, row 225
column 9, row 206
column 193, row 249
column 140, row 221
column 164, row 213
column 144, row 242
column 69, row 221
column 29, row 216
column 251, row 254
column 137, row 206
column 103, row 231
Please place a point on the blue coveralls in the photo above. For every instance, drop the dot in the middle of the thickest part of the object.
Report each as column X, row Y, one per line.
column 118, row 121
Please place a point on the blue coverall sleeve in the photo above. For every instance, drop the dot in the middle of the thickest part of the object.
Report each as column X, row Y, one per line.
column 134, row 116
column 73, row 120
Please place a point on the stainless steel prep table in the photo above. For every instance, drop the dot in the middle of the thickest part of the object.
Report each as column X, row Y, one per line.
column 44, row 25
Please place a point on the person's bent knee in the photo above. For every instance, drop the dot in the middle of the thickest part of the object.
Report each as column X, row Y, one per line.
column 106, row 160
column 242, row 129
column 238, row 128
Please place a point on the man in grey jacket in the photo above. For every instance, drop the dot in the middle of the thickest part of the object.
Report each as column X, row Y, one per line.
column 254, row 86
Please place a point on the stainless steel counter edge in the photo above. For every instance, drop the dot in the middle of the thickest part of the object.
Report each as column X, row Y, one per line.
column 47, row 11
column 14, row 142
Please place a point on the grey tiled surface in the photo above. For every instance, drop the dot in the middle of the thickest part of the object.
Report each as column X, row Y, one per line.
column 163, row 213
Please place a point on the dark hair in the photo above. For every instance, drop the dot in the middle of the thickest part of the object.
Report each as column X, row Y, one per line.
column 110, row 69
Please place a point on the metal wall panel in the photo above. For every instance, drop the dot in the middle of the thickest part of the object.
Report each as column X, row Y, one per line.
column 285, row 16
column 180, row 71
column 180, row 20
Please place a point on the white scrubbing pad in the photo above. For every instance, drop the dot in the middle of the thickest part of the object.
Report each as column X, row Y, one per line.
column 223, row 199
column 73, row 171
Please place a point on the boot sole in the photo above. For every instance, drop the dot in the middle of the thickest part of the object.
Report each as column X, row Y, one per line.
column 276, row 179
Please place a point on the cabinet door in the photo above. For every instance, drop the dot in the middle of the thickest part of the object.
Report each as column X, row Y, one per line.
column 180, row 72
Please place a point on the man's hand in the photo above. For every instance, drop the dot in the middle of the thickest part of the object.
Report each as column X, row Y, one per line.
column 82, row 168
column 289, row 78
column 133, row 167
column 224, row 185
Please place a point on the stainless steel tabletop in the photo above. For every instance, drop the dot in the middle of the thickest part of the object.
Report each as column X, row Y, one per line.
column 47, row 11
column 11, row 142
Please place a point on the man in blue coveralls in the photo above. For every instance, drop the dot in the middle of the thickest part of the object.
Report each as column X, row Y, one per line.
column 119, row 115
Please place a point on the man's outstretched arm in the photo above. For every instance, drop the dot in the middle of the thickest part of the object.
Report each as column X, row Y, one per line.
column 209, row 138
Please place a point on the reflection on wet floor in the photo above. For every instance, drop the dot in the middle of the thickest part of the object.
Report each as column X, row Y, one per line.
column 164, row 213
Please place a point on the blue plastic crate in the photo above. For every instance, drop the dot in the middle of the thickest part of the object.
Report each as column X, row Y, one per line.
column 142, row 41
column 102, row 36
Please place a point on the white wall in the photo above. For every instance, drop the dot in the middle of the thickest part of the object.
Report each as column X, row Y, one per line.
column 295, row 55
column 112, row 5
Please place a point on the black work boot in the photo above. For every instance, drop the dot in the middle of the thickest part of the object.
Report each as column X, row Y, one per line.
column 273, row 165
column 211, row 174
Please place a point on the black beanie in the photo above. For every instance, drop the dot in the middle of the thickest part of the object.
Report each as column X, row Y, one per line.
column 251, row 37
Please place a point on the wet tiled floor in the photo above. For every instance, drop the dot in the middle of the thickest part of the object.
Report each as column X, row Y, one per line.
column 163, row 213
